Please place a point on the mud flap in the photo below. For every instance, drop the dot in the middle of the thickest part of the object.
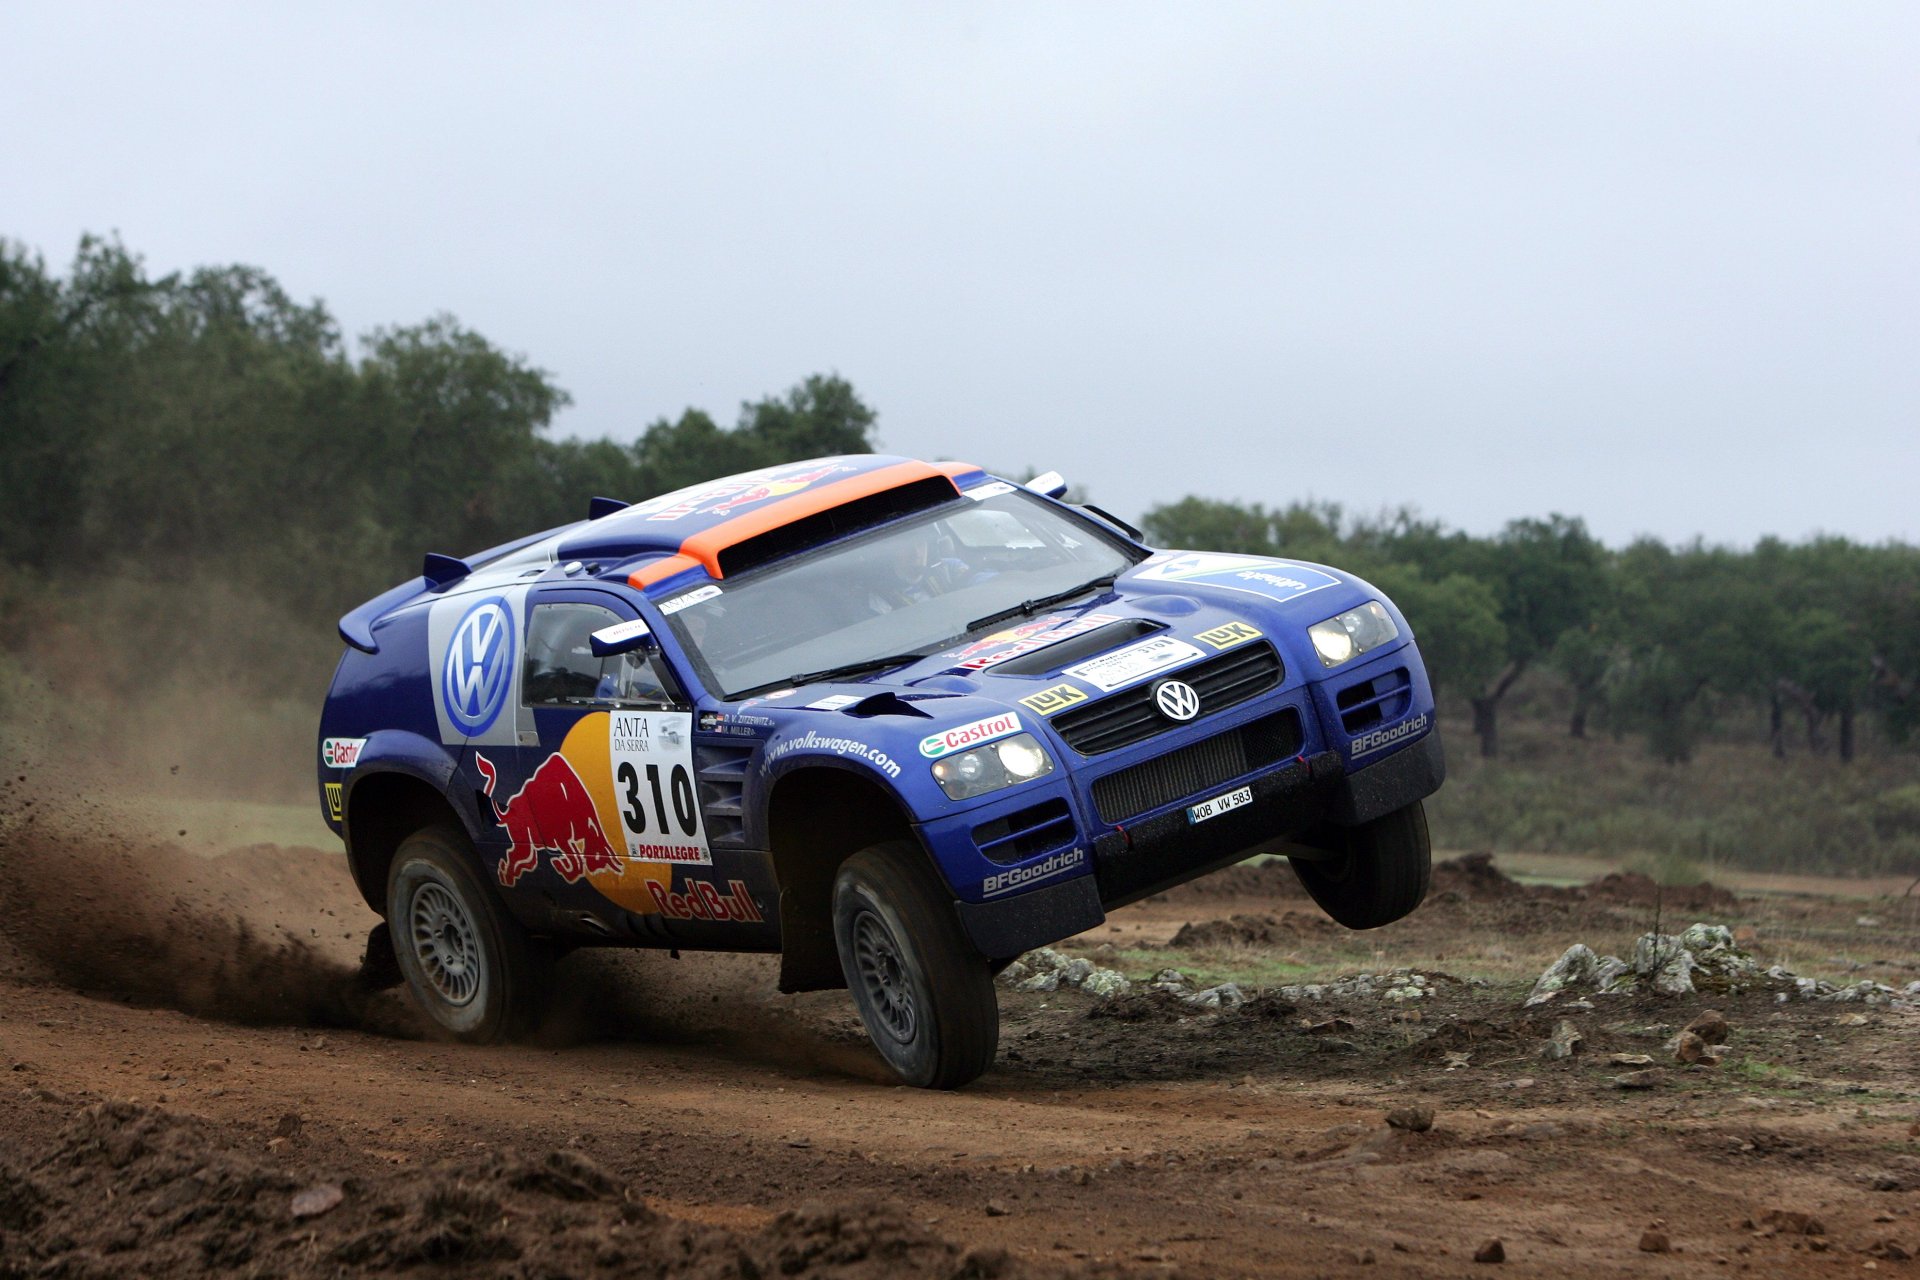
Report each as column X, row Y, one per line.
column 379, row 968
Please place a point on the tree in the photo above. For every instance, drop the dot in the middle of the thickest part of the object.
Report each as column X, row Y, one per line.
column 1548, row 577
column 821, row 417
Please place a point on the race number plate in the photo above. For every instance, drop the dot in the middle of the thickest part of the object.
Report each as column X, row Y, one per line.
column 1219, row 804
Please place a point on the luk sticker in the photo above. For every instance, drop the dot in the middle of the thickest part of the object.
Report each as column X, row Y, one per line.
column 935, row 745
column 651, row 753
column 1258, row 575
column 1229, row 635
column 1127, row 666
column 1057, row 698
column 341, row 753
column 478, row 667
column 689, row 599
column 336, row 804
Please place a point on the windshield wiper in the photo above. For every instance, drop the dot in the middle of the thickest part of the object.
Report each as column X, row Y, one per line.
column 861, row 667
column 1030, row 607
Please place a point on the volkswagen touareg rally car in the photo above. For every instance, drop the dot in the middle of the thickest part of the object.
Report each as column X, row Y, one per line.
column 897, row 721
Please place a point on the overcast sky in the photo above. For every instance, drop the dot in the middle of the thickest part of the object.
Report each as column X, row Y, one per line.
column 1656, row 266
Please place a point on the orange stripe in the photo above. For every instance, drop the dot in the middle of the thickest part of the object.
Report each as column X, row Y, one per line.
column 660, row 570
column 704, row 548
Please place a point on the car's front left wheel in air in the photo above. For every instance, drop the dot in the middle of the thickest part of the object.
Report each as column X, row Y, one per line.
column 469, row 964
column 1377, row 872
column 923, row 991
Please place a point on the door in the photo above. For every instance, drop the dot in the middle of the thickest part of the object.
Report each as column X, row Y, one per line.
column 607, row 811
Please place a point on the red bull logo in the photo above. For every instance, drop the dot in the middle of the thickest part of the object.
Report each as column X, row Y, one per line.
column 772, row 489
column 551, row 813
column 704, row 901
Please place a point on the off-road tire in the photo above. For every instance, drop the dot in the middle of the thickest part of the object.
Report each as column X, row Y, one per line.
column 923, row 991
column 469, row 964
column 1381, row 873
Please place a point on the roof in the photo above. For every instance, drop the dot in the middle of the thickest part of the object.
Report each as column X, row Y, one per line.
column 690, row 527
column 688, row 530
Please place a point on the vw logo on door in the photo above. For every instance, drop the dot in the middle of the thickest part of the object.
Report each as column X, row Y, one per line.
column 479, row 666
column 1176, row 700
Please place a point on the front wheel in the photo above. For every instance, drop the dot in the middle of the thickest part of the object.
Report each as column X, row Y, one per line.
column 1379, row 871
column 470, row 965
column 923, row 991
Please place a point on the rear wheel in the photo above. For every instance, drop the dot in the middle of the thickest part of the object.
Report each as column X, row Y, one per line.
column 1379, row 871
column 923, row 991
column 470, row 965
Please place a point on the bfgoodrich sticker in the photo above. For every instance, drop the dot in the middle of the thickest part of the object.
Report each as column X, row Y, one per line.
column 1380, row 739
column 1020, row 877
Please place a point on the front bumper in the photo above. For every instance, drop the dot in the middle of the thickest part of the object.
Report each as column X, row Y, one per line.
column 1134, row 861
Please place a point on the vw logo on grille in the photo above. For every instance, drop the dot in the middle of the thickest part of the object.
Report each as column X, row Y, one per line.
column 1176, row 700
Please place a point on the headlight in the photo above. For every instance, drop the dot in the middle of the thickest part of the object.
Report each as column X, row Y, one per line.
column 976, row 771
column 1352, row 633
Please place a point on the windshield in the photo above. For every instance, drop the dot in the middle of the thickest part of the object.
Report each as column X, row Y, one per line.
column 910, row 587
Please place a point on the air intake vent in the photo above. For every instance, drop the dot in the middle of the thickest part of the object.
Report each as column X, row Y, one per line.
column 1055, row 656
column 836, row 522
column 1385, row 697
column 1130, row 717
column 1018, row 836
column 723, row 776
column 1195, row 769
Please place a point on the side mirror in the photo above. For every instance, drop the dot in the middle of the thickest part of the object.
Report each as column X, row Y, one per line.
column 622, row 637
column 1049, row 484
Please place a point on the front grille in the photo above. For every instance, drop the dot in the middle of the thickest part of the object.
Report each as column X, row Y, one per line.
column 1043, row 827
column 1193, row 769
column 1383, row 698
column 1130, row 717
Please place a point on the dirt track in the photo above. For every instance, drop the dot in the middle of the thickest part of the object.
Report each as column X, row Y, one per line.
column 174, row 1082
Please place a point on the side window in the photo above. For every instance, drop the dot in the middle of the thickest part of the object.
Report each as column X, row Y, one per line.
column 562, row 671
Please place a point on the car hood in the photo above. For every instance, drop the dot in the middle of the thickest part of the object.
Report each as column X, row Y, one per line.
column 1171, row 610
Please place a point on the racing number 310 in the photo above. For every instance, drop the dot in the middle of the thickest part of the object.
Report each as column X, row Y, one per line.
column 635, row 814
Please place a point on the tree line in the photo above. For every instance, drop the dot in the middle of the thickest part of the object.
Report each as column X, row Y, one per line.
column 205, row 420
column 1652, row 639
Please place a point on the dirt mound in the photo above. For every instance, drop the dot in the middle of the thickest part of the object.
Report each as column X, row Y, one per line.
column 1251, row 930
column 1631, row 888
column 1273, row 879
column 127, row 1189
column 1464, row 1037
column 1473, row 876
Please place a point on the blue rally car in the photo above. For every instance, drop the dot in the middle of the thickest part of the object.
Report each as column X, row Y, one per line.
column 897, row 721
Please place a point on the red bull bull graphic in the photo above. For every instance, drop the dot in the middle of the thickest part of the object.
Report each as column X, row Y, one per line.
column 552, row 813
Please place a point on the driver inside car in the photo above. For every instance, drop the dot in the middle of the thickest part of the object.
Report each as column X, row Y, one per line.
column 912, row 571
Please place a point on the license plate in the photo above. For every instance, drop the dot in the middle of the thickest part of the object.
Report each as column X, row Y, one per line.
column 1219, row 804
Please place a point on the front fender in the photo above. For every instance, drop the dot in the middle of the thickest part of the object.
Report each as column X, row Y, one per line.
column 398, row 751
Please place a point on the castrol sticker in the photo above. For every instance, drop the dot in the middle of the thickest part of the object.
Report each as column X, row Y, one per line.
column 935, row 745
column 341, row 753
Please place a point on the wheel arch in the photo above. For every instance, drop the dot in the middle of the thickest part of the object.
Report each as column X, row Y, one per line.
column 383, row 808
column 819, row 815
